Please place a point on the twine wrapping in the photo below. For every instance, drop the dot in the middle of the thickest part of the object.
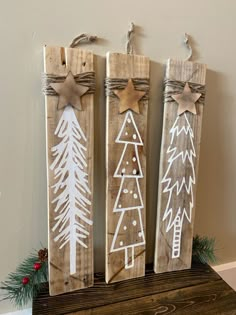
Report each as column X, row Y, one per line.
column 86, row 79
column 140, row 84
column 177, row 88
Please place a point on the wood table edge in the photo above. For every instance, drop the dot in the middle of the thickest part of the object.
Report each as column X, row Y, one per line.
column 44, row 299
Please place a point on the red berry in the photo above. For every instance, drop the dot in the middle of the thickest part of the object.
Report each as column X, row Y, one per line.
column 37, row 266
column 25, row 280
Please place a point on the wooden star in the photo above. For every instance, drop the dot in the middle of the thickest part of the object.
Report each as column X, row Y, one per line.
column 129, row 98
column 69, row 92
column 186, row 100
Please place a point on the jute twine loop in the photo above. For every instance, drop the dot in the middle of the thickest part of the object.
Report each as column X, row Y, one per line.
column 82, row 37
column 129, row 46
column 188, row 45
column 176, row 87
column 140, row 84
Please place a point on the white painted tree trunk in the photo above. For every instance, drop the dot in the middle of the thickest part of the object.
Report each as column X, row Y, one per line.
column 176, row 244
column 72, row 221
column 129, row 257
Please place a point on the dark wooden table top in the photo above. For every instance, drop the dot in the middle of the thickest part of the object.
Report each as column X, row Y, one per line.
column 199, row 290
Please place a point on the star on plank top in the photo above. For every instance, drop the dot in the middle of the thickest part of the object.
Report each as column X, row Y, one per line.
column 69, row 92
column 186, row 100
column 129, row 98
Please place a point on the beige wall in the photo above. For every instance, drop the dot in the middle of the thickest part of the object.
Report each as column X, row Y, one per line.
column 26, row 25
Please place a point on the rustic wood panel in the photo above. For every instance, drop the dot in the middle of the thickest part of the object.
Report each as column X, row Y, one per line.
column 199, row 285
column 125, row 66
column 184, row 142
column 59, row 61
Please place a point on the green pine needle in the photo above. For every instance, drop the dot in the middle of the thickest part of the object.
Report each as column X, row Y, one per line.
column 204, row 250
column 18, row 293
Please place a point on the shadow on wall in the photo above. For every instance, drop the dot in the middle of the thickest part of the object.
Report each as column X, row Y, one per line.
column 213, row 191
column 99, row 165
column 154, row 128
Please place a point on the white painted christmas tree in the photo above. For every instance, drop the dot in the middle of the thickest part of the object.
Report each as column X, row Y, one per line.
column 71, row 204
column 129, row 232
column 183, row 161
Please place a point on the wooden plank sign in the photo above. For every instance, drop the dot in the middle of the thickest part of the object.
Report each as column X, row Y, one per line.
column 126, row 122
column 183, row 110
column 68, row 87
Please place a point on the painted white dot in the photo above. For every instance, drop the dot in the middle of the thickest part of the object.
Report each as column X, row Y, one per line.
column 125, row 191
column 140, row 234
column 134, row 136
column 125, row 227
column 119, row 206
column 126, row 133
column 134, row 172
column 129, row 120
column 131, row 191
column 134, row 159
column 121, row 243
column 123, row 170
column 127, row 162
column 135, row 196
column 134, row 223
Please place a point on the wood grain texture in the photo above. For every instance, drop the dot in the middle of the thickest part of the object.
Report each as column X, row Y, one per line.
column 195, row 73
column 59, row 61
column 198, row 290
column 123, row 66
column 203, row 299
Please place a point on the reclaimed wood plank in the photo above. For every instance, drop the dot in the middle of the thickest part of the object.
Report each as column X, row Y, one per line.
column 176, row 206
column 125, row 227
column 62, row 278
column 102, row 294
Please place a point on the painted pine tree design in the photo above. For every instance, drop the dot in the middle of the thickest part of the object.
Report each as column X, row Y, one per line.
column 178, row 162
column 129, row 232
column 71, row 203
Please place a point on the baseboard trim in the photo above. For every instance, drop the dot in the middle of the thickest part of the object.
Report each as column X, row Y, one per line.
column 27, row 311
column 223, row 267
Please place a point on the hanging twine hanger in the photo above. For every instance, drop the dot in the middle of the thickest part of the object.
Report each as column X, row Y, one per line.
column 188, row 45
column 129, row 45
column 176, row 86
column 82, row 37
column 140, row 84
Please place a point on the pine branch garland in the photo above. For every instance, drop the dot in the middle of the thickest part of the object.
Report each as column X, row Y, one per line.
column 204, row 250
column 23, row 284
